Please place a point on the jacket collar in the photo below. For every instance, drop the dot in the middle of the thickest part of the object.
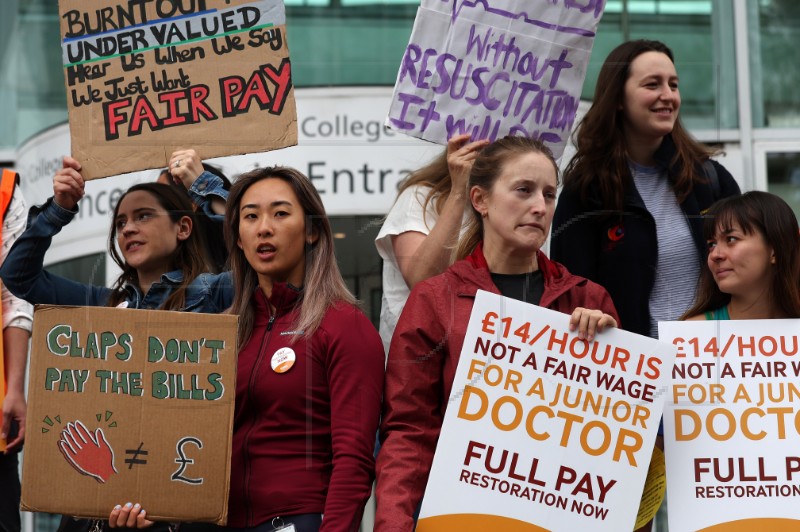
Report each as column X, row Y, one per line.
column 175, row 277
column 665, row 155
column 550, row 270
column 557, row 279
column 283, row 299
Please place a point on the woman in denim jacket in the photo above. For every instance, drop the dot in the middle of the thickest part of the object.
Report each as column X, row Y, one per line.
column 164, row 263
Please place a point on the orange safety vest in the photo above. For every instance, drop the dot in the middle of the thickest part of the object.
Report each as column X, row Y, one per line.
column 7, row 184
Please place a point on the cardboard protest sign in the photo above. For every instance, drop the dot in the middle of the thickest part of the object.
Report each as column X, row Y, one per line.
column 732, row 425
column 543, row 430
column 513, row 67
column 146, row 78
column 130, row 405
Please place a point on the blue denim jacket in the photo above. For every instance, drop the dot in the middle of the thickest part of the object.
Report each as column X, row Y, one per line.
column 205, row 186
column 24, row 275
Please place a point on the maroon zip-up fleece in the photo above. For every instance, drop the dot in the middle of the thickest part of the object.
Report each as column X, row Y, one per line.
column 303, row 440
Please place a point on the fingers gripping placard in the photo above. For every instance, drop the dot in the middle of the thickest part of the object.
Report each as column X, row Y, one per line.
column 130, row 405
column 543, row 427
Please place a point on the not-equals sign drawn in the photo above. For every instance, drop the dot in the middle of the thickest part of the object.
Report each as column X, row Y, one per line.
column 135, row 459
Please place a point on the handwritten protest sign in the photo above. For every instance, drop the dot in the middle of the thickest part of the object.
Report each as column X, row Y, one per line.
column 145, row 78
column 513, row 67
column 545, row 431
column 130, row 405
column 732, row 425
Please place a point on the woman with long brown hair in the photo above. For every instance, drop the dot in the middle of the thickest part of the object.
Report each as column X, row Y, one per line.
column 629, row 216
column 753, row 266
column 310, row 365
column 152, row 239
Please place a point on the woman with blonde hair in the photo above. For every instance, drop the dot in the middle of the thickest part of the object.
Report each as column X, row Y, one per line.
column 512, row 191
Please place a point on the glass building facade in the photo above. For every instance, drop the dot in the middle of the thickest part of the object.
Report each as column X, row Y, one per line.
column 735, row 58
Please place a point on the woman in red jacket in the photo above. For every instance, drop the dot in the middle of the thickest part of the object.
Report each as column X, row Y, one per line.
column 310, row 366
column 513, row 193
column 309, row 371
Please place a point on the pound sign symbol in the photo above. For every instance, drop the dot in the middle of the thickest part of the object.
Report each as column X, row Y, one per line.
column 183, row 461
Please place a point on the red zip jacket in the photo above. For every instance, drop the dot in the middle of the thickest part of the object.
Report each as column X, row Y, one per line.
column 303, row 440
column 423, row 358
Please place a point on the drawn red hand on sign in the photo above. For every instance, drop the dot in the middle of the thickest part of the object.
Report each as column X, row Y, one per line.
column 90, row 454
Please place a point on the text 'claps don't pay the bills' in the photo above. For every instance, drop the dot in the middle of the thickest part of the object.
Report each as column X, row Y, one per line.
column 129, row 404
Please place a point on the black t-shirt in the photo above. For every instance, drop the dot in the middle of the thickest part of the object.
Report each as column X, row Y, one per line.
column 525, row 287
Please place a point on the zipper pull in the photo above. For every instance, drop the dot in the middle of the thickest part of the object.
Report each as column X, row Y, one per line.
column 270, row 322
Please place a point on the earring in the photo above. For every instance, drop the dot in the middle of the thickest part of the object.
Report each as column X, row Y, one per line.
column 485, row 214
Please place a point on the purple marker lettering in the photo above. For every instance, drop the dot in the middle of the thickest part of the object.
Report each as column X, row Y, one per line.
column 489, row 102
column 474, row 40
column 428, row 114
column 477, row 80
column 408, row 65
column 589, row 5
column 501, row 47
column 524, row 17
column 454, row 127
column 536, row 105
column 510, row 100
column 558, row 65
column 464, row 78
column 444, row 75
column 526, row 88
column 407, row 99
column 511, row 50
column 424, row 70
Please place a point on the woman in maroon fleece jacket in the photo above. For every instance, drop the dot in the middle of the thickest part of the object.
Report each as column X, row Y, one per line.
column 513, row 193
column 310, row 371
column 310, row 368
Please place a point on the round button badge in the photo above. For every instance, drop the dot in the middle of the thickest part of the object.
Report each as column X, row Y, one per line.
column 283, row 360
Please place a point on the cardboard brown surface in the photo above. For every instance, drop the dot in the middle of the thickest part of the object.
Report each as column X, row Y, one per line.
column 146, row 78
column 161, row 437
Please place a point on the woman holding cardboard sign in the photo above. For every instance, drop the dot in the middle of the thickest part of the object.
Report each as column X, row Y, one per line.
column 163, row 260
column 753, row 266
column 512, row 190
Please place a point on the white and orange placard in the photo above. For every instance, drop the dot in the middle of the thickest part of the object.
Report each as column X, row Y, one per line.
column 544, row 431
column 732, row 425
